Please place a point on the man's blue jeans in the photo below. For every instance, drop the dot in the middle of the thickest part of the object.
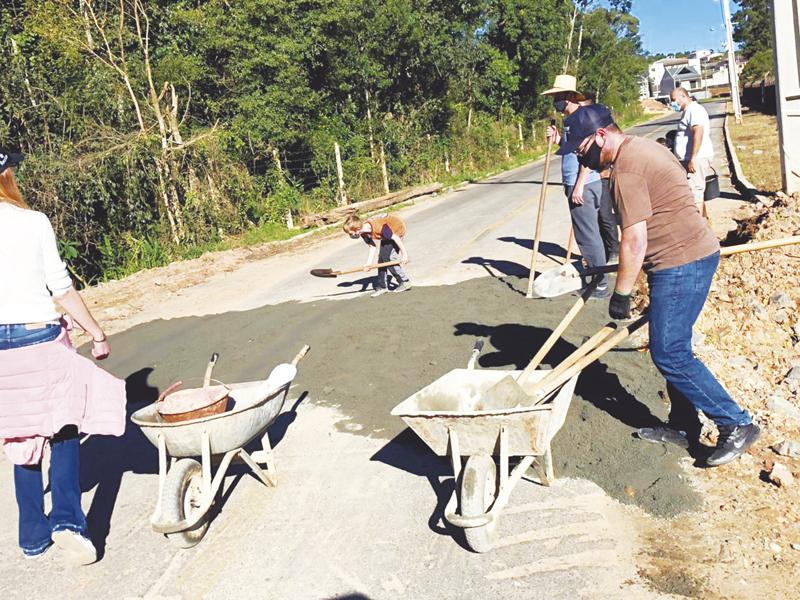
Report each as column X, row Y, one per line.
column 35, row 528
column 677, row 296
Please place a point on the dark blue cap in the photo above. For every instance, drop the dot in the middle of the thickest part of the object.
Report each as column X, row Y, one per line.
column 9, row 160
column 583, row 123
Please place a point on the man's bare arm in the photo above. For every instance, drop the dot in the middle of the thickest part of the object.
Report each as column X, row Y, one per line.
column 632, row 248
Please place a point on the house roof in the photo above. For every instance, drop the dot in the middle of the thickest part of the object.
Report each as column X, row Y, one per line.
column 683, row 73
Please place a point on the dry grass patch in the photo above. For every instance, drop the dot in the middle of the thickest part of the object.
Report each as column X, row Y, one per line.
column 756, row 142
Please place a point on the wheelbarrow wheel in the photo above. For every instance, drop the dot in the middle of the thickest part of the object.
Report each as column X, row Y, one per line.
column 478, row 489
column 182, row 496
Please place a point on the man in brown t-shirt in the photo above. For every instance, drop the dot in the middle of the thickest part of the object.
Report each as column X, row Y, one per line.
column 384, row 235
column 663, row 231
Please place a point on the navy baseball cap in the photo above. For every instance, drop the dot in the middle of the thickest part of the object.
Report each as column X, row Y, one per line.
column 583, row 123
column 9, row 160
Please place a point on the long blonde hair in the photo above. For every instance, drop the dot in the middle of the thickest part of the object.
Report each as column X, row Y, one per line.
column 9, row 191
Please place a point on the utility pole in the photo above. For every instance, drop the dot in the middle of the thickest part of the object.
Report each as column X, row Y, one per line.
column 785, row 17
column 733, row 75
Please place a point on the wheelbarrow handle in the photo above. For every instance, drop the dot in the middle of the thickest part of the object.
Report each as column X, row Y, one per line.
column 303, row 351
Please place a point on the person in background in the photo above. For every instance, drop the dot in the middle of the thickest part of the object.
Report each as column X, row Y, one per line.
column 607, row 220
column 384, row 235
column 663, row 231
column 693, row 145
column 582, row 187
column 48, row 393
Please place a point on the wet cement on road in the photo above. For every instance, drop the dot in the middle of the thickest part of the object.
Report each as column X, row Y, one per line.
column 369, row 354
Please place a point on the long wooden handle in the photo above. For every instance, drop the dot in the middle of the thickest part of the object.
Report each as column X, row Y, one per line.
column 724, row 251
column 539, row 215
column 209, row 368
column 554, row 337
column 787, row 241
column 579, row 353
column 553, row 383
column 569, row 245
column 303, row 351
column 369, row 267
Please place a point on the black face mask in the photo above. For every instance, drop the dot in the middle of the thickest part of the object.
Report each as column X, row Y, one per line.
column 592, row 158
column 560, row 105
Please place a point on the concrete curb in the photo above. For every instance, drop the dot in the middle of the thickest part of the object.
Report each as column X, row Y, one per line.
column 747, row 189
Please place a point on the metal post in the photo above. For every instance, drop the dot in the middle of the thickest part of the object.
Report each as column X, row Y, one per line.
column 733, row 75
column 786, row 29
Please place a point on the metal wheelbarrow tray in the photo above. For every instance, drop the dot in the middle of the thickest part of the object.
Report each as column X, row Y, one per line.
column 450, row 417
column 186, row 488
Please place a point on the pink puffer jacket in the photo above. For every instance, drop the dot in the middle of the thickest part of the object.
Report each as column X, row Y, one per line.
column 47, row 386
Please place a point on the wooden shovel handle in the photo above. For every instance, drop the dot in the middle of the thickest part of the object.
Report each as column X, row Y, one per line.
column 554, row 337
column 369, row 267
column 303, row 351
column 724, row 251
column 787, row 241
column 543, row 391
column 539, row 216
column 579, row 353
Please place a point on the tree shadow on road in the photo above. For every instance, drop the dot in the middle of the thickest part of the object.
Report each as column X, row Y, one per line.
column 506, row 267
column 549, row 249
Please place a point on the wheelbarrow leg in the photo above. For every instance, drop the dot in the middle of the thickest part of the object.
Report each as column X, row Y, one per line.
column 269, row 478
column 162, row 477
column 265, row 456
column 545, row 463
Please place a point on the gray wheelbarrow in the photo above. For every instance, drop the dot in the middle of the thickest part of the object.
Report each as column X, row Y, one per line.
column 186, row 488
column 451, row 418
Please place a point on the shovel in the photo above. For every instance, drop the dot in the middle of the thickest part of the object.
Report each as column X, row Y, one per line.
column 567, row 278
column 332, row 273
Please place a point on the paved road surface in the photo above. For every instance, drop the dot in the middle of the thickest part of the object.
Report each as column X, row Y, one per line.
column 342, row 523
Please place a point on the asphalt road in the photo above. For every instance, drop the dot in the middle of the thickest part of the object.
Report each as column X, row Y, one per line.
column 342, row 523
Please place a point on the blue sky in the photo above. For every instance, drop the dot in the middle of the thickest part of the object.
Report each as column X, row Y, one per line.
column 676, row 25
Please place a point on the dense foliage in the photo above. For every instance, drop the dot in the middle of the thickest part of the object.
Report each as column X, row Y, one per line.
column 157, row 126
column 752, row 29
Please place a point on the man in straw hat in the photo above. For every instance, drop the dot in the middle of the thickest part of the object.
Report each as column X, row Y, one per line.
column 663, row 230
column 582, row 186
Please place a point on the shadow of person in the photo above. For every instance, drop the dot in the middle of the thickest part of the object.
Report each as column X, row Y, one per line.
column 407, row 452
column 549, row 249
column 515, row 345
column 105, row 459
column 494, row 267
column 366, row 283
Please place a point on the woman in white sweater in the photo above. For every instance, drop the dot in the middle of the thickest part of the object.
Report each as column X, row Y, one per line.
column 32, row 275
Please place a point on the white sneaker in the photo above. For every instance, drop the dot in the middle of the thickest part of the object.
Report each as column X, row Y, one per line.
column 39, row 554
column 79, row 549
column 405, row 286
column 378, row 292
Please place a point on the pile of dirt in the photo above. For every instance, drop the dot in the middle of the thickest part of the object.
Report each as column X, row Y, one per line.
column 748, row 540
column 367, row 355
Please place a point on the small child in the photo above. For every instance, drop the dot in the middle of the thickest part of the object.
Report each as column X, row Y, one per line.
column 388, row 230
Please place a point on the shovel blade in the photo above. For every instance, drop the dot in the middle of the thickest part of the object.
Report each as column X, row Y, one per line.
column 557, row 281
column 323, row 273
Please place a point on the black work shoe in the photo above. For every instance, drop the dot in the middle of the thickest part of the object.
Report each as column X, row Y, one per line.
column 733, row 442
column 665, row 435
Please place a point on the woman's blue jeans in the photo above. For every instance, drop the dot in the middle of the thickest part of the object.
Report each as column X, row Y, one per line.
column 677, row 296
column 35, row 528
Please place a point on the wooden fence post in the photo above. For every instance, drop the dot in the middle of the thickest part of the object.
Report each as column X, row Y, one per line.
column 446, row 162
column 340, row 175
column 521, row 139
column 384, row 171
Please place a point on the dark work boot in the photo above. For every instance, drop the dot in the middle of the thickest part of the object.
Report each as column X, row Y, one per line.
column 732, row 442
column 663, row 434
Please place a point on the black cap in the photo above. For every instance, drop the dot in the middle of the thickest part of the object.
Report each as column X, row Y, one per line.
column 9, row 160
column 583, row 123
